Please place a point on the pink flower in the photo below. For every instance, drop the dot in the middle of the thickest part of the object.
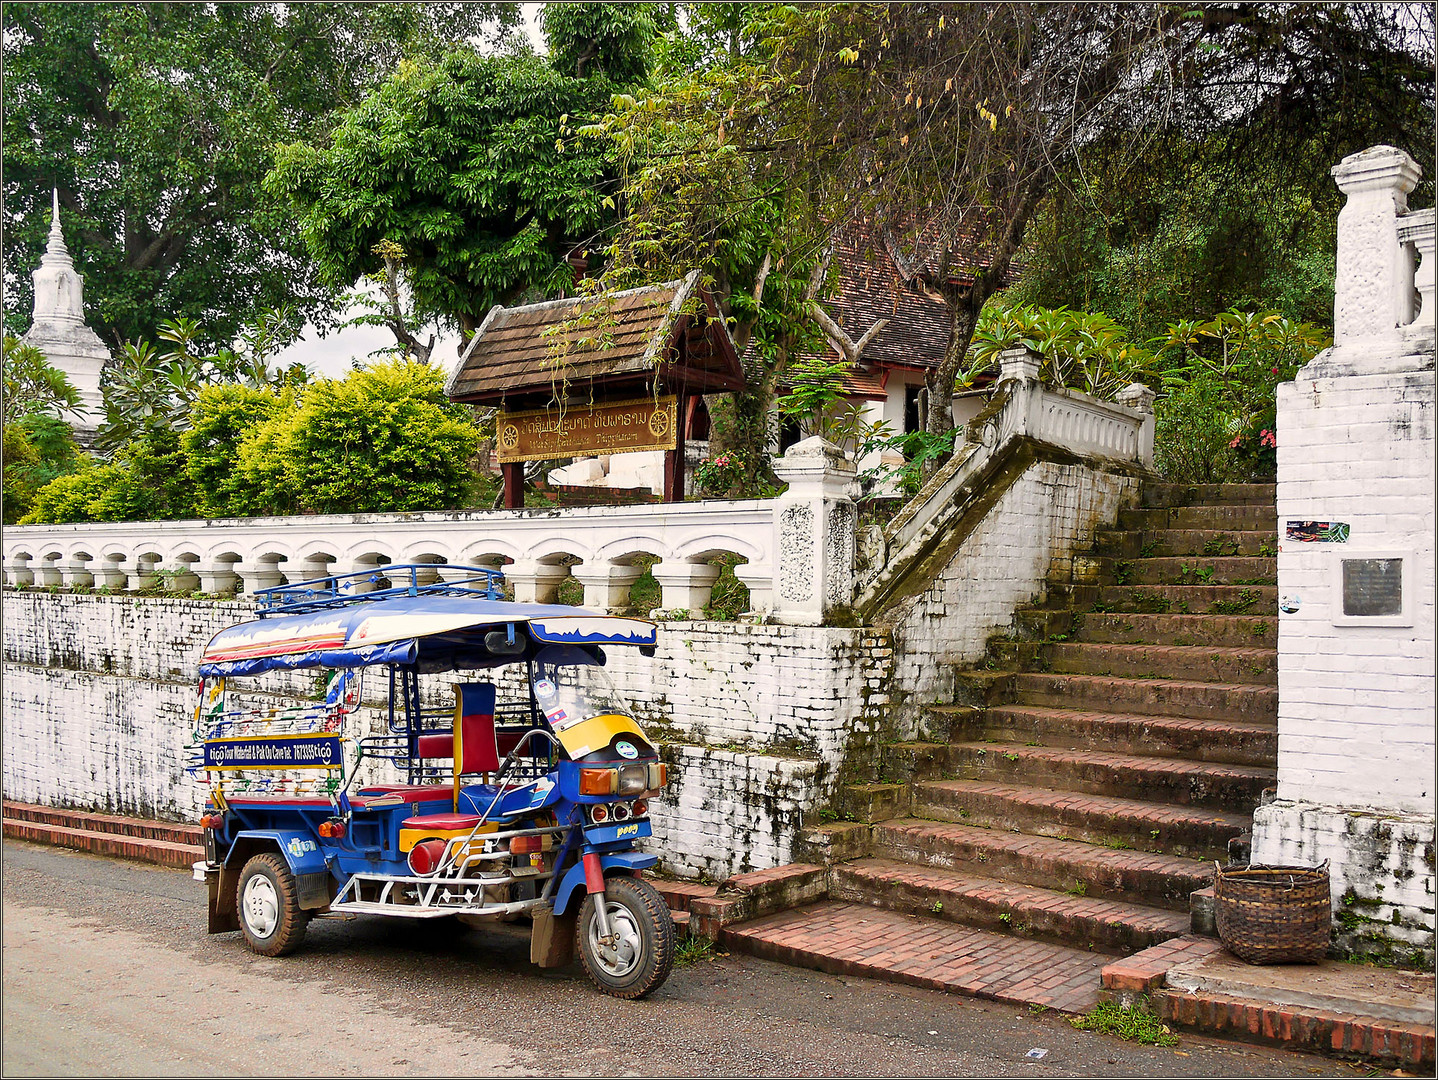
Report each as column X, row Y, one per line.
column 1275, row 371
column 1267, row 438
column 1237, row 439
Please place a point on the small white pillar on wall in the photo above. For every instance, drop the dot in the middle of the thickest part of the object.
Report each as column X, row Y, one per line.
column 685, row 586
column 535, row 582
column 1373, row 290
column 606, row 585
column 814, row 522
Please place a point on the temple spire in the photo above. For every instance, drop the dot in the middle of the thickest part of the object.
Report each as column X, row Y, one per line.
column 56, row 253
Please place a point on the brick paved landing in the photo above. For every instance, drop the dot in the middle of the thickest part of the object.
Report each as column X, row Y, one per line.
column 853, row 939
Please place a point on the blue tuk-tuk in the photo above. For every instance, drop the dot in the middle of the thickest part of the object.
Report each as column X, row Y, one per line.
column 522, row 794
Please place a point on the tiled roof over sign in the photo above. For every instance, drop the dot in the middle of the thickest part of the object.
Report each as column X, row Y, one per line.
column 614, row 339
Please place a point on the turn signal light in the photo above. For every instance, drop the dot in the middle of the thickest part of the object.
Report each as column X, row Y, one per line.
column 212, row 821
column 641, row 807
column 332, row 829
column 526, row 845
column 598, row 781
column 658, row 775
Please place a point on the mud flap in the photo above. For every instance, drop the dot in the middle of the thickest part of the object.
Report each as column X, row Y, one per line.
column 314, row 890
column 224, row 912
column 551, row 944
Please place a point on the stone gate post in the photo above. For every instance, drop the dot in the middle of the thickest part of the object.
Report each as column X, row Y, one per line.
column 814, row 523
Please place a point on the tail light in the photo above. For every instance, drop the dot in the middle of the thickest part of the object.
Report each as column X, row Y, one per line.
column 526, row 845
column 212, row 821
column 332, row 829
column 641, row 807
column 621, row 812
column 425, row 857
column 598, row 814
column 598, row 781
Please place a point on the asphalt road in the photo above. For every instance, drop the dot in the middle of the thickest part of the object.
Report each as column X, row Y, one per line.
column 108, row 971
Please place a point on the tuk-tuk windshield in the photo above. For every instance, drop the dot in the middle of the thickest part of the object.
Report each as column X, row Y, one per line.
column 570, row 687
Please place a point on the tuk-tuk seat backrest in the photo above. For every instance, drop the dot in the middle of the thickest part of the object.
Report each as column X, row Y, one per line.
column 473, row 731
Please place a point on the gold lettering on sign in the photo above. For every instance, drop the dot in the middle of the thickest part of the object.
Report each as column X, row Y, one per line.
column 618, row 427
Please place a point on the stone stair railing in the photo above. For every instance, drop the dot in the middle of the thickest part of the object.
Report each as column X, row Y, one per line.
column 1022, row 411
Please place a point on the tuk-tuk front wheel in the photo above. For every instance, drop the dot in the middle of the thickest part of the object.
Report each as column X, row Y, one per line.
column 640, row 954
column 271, row 920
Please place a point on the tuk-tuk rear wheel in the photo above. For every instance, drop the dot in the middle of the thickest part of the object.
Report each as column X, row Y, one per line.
column 641, row 958
column 271, row 921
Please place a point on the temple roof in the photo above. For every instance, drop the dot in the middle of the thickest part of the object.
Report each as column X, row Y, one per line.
column 599, row 346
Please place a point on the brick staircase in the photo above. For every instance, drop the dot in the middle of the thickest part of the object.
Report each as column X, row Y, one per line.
column 1087, row 777
column 161, row 842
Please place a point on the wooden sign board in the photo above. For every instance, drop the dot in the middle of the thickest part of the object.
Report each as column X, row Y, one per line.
column 615, row 427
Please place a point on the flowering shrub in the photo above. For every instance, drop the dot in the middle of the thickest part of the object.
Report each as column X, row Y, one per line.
column 718, row 475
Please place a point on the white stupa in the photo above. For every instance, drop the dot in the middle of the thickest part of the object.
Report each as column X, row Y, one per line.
column 58, row 328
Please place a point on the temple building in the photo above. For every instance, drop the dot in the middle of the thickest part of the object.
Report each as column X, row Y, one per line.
column 58, row 329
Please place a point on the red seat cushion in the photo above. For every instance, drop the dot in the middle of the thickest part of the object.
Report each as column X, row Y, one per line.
column 441, row 822
column 436, row 746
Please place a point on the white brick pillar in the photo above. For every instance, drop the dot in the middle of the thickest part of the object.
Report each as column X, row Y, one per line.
column 259, row 572
column 606, row 585
column 108, row 571
column 685, row 586
column 814, row 523
column 1373, row 290
column 759, row 580
column 47, row 571
column 18, row 574
column 218, row 578
column 141, row 572
column 76, row 573
column 1139, row 397
column 536, row 582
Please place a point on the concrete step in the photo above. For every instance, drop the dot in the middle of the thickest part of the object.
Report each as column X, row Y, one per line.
column 1156, row 543
column 1204, row 663
column 1192, row 570
column 1220, row 631
column 1078, row 869
column 1216, row 786
column 1231, row 517
column 1195, row 663
column 858, row 940
column 137, row 828
column 1004, row 906
column 1150, row 697
column 1208, row 494
column 1181, row 831
column 1188, row 599
column 161, row 852
column 1236, row 742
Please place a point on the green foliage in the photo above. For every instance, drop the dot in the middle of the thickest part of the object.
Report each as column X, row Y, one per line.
column 1083, row 349
column 384, row 438
column 33, row 385
column 466, row 167
column 158, row 122
column 720, row 475
column 38, row 448
column 921, row 451
column 588, row 38
column 220, row 420
column 691, row 950
column 94, row 493
column 816, row 400
column 1132, row 1023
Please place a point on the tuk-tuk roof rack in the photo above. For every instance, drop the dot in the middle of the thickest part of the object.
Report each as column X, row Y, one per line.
column 362, row 587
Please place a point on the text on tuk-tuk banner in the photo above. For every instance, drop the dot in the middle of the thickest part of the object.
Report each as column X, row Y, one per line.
column 305, row 751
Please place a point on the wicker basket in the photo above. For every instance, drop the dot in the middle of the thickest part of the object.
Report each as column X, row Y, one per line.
column 1274, row 914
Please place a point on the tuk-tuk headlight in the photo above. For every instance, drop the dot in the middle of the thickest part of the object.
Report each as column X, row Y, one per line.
column 633, row 779
column 598, row 781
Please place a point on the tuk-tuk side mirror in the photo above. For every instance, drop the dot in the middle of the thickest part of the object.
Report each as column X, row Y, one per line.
column 497, row 642
column 646, row 650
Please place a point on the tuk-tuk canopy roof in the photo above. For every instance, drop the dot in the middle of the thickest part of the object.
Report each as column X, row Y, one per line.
column 437, row 633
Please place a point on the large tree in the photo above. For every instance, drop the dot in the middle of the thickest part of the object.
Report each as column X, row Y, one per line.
column 462, row 175
column 945, row 127
column 157, row 123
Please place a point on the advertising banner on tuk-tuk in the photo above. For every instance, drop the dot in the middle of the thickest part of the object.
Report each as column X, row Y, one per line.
column 305, row 751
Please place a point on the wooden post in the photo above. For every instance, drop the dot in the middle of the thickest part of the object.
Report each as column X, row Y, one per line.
column 674, row 459
column 513, row 475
